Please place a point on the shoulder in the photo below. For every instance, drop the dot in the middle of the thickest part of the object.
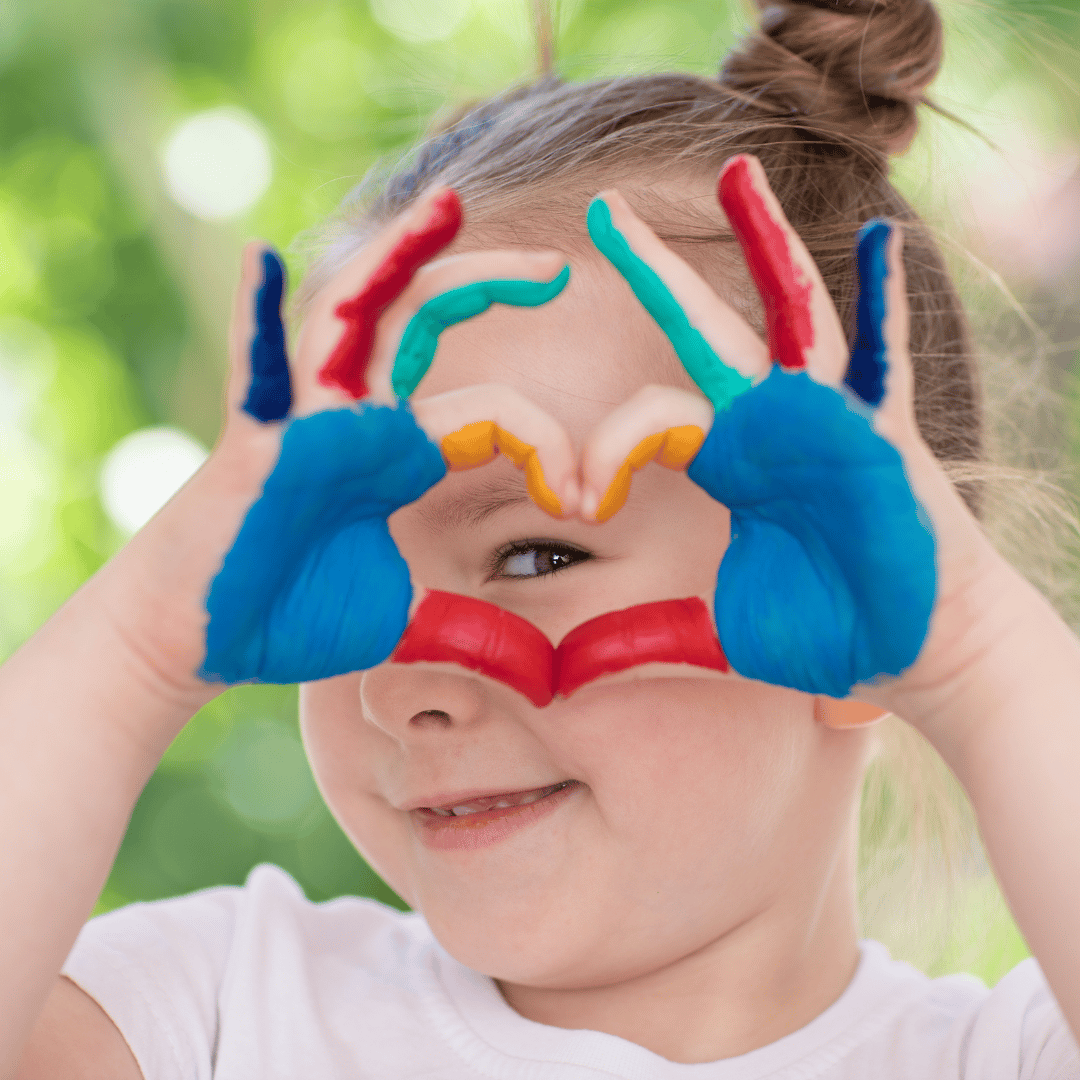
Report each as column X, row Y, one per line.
column 176, row 977
column 954, row 1026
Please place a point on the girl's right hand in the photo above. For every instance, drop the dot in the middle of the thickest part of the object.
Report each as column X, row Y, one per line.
column 275, row 563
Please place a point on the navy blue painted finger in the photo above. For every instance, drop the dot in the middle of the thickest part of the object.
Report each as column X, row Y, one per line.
column 314, row 586
column 869, row 356
column 270, row 393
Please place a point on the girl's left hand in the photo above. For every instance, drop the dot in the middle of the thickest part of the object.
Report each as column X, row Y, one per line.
column 851, row 554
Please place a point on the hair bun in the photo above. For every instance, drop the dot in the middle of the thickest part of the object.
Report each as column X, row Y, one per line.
column 844, row 67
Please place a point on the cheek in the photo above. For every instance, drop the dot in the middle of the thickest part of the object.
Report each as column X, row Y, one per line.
column 340, row 745
column 725, row 758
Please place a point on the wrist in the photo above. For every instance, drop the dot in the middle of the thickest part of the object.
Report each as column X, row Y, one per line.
column 92, row 675
column 1003, row 656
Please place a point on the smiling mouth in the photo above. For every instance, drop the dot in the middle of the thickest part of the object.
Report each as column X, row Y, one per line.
column 497, row 802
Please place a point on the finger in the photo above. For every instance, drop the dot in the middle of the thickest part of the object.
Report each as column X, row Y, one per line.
column 804, row 330
column 269, row 394
column 701, row 327
column 659, row 423
column 339, row 333
column 447, row 292
column 880, row 369
column 472, row 426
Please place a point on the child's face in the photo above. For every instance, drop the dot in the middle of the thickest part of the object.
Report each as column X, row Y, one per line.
column 702, row 804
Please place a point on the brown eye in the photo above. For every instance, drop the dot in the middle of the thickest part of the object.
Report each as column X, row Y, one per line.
column 535, row 559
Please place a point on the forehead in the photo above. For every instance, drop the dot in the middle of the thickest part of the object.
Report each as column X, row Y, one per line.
column 577, row 356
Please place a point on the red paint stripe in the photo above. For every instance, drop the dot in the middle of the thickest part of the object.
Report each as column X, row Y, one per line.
column 780, row 281
column 483, row 638
column 672, row 631
column 346, row 366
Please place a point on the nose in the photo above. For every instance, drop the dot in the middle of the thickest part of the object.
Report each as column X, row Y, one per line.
column 404, row 700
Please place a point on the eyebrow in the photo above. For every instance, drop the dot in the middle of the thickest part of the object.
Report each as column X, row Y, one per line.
column 473, row 507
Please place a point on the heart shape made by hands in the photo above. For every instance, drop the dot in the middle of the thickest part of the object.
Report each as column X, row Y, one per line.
column 503, row 646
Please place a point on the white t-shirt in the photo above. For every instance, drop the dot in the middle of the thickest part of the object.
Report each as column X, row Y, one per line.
column 258, row 983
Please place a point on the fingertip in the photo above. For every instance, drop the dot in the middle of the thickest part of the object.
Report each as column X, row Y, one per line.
column 738, row 173
column 872, row 240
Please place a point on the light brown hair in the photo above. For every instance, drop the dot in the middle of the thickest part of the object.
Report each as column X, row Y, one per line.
column 820, row 91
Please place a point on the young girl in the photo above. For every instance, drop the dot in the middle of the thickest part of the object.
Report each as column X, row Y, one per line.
column 617, row 786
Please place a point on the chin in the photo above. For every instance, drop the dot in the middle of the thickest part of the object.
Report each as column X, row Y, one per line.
column 555, row 947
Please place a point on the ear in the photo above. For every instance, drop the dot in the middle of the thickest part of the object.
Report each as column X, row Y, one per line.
column 847, row 712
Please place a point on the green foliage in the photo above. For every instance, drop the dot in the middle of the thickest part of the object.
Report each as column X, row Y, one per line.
column 113, row 305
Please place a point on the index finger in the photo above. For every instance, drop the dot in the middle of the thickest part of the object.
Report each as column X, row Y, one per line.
column 803, row 328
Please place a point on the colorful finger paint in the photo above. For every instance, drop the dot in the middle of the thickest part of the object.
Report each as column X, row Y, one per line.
column 715, row 379
column 269, row 396
column 782, row 283
column 674, row 449
column 869, row 355
column 346, row 366
column 480, row 442
column 313, row 585
column 479, row 636
column 421, row 337
column 829, row 579
column 485, row 638
column 669, row 631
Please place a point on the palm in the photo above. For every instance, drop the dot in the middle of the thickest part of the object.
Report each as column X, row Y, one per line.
column 314, row 586
column 824, row 583
column 829, row 579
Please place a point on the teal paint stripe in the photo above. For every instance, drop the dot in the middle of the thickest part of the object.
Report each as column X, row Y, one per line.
column 421, row 337
column 720, row 383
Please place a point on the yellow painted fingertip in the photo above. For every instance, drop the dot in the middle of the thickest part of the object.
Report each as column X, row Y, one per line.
column 673, row 448
column 615, row 497
column 482, row 441
column 537, row 487
column 512, row 447
column 525, row 457
column 681, row 445
column 470, row 446
column 645, row 451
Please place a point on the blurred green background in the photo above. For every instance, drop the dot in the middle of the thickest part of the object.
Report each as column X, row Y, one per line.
column 142, row 141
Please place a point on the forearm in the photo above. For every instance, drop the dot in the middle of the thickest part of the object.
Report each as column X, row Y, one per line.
column 1011, row 734
column 70, row 773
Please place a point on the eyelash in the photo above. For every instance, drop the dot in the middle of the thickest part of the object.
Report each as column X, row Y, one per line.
column 521, row 547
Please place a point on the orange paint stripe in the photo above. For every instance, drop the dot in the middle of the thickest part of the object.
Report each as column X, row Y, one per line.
column 480, row 442
column 674, row 448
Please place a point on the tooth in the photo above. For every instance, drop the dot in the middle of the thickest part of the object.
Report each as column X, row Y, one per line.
column 532, row 798
column 462, row 810
column 502, row 804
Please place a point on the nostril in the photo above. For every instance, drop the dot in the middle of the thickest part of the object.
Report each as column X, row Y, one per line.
column 431, row 716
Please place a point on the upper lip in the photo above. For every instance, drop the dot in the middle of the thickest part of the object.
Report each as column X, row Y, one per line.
column 444, row 800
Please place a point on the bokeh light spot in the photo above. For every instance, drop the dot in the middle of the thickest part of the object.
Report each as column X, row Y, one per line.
column 265, row 776
column 217, row 163
column 143, row 471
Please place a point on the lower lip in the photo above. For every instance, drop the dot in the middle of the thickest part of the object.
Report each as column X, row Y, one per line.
column 486, row 827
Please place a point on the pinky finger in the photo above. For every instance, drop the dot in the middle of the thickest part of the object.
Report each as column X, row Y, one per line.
column 269, row 395
column 880, row 370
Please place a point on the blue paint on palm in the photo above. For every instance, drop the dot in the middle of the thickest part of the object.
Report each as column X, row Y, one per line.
column 869, row 355
column 314, row 586
column 270, row 394
column 829, row 579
